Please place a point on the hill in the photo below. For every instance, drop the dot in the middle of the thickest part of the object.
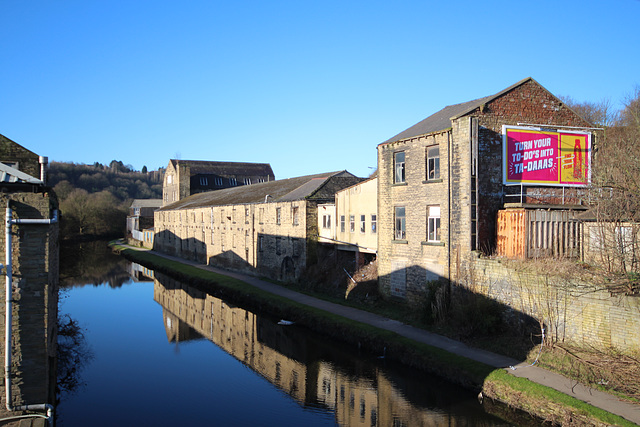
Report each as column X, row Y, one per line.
column 94, row 199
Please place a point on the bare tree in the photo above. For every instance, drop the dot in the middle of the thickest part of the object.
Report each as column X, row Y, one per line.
column 615, row 189
column 598, row 113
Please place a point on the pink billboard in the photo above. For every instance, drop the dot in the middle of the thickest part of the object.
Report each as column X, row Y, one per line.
column 533, row 156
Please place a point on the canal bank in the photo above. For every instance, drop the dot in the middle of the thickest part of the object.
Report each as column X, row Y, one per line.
column 540, row 392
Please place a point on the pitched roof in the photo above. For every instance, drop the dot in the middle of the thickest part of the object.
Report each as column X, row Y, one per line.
column 10, row 174
column 316, row 186
column 146, row 203
column 442, row 119
column 225, row 168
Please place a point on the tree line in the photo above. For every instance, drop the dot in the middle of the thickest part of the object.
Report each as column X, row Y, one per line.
column 614, row 193
column 95, row 199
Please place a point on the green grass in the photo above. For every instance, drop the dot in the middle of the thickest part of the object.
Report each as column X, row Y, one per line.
column 540, row 396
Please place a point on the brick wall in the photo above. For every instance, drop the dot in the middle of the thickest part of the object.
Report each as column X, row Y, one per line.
column 528, row 103
column 568, row 311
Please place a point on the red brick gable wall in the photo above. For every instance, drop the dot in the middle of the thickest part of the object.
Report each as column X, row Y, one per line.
column 528, row 103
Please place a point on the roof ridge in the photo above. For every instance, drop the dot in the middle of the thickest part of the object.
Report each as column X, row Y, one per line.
column 441, row 119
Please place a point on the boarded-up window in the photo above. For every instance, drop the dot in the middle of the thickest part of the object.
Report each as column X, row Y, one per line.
column 297, row 247
column 398, row 279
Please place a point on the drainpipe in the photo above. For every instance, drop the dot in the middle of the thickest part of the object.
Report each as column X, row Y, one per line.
column 44, row 161
column 42, row 407
column 449, row 248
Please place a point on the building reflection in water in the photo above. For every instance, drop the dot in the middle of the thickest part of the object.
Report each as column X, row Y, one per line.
column 309, row 370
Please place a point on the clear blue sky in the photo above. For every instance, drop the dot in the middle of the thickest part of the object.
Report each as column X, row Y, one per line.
column 308, row 86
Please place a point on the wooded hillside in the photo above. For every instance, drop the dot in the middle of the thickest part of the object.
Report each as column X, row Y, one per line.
column 94, row 199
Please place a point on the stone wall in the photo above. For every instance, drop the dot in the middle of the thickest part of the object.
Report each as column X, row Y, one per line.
column 572, row 310
column 420, row 259
column 14, row 154
column 469, row 192
column 35, row 258
column 268, row 239
column 179, row 179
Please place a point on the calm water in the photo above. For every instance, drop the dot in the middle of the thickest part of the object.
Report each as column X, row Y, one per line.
column 162, row 353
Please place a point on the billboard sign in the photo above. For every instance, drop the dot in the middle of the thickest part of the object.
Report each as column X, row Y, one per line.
column 540, row 157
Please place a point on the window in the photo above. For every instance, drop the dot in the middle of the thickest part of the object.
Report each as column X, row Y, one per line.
column 374, row 224
column 204, row 180
column 398, row 167
column 218, row 182
column 278, row 215
column 247, row 181
column 294, row 215
column 399, row 224
column 342, row 223
column 352, row 223
column 362, row 222
column 169, row 179
column 326, row 221
column 433, row 162
column 433, row 223
column 260, row 242
column 297, row 247
column 261, row 215
column 233, row 181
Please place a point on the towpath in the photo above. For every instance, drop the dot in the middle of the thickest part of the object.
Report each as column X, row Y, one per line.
column 547, row 378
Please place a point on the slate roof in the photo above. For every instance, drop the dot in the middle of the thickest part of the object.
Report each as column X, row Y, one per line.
column 146, row 203
column 315, row 187
column 442, row 119
column 225, row 168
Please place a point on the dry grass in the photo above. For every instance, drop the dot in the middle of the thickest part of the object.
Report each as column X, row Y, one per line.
column 606, row 370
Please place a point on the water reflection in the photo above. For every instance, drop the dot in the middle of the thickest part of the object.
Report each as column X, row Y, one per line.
column 91, row 263
column 310, row 370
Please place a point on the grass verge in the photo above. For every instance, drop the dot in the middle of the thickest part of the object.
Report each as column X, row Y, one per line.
column 539, row 401
column 546, row 403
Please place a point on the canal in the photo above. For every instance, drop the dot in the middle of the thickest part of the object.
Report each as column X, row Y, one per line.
column 152, row 351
